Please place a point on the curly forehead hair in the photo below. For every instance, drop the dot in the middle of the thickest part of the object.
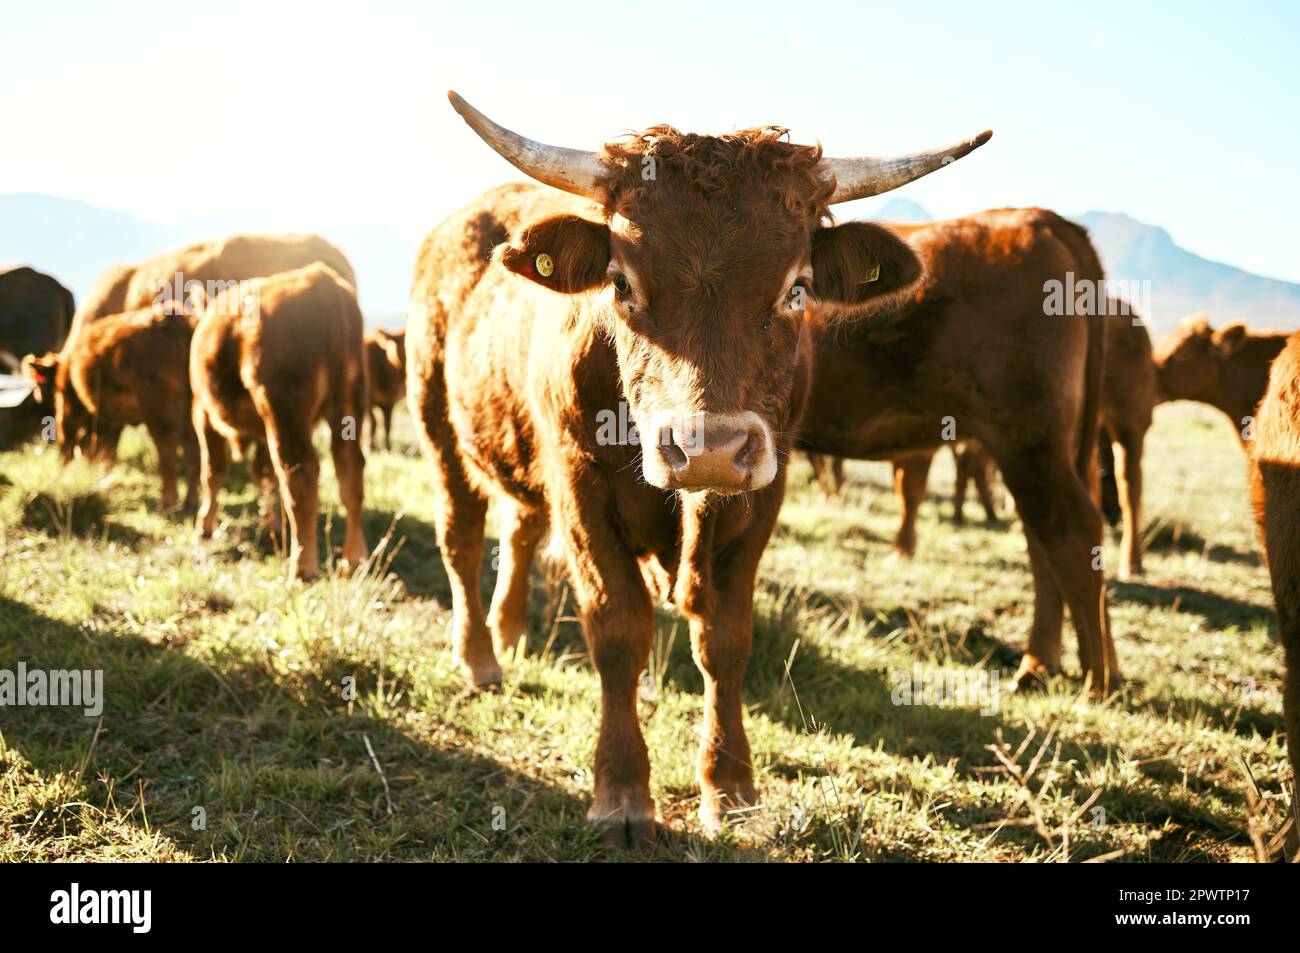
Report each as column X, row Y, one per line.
column 712, row 164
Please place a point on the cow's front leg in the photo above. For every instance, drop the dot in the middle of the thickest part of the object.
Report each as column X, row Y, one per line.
column 716, row 592
column 721, row 646
column 618, row 620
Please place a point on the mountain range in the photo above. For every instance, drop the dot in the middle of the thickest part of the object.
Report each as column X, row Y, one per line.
column 75, row 241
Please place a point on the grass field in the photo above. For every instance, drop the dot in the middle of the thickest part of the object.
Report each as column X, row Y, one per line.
column 247, row 718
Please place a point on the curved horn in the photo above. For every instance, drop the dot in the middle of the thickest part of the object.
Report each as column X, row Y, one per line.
column 861, row 176
column 569, row 169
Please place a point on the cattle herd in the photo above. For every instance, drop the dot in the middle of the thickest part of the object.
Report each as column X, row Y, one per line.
column 700, row 284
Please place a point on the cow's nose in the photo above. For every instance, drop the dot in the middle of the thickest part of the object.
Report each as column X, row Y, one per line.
column 717, row 455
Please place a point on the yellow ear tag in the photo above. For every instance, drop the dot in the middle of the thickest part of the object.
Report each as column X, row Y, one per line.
column 872, row 275
column 545, row 266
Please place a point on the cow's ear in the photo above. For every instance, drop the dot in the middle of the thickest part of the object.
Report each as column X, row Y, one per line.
column 566, row 253
column 858, row 261
column 41, row 371
column 1229, row 337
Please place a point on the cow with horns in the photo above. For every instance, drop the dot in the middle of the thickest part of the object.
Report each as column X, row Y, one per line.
column 680, row 274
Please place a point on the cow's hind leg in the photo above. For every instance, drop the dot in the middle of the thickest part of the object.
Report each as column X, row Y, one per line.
column 910, row 476
column 983, row 476
column 1043, row 655
column 214, row 462
column 1057, row 509
column 1128, row 478
column 522, row 529
column 166, row 439
column 350, row 469
column 297, row 468
column 959, row 484
column 460, row 513
column 388, row 427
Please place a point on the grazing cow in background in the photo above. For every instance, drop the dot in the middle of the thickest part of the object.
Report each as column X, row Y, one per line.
column 129, row 369
column 35, row 312
column 1275, row 487
column 978, row 351
column 268, row 363
column 1227, row 368
column 678, row 293
column 386, row 358
column 221, row 262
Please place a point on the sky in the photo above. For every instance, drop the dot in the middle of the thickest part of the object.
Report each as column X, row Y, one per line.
column 1179, row 114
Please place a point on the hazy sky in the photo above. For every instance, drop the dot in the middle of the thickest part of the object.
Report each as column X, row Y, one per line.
column 1180, row 114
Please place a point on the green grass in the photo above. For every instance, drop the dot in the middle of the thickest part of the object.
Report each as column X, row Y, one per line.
column 228, row 688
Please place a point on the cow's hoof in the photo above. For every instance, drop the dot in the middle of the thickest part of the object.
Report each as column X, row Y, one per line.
column 484, row 677
column 1032, row 676
column 623, row 829
column 719, row 807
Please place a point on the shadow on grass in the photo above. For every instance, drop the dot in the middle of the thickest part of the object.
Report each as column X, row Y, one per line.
column 1219, row 612
column 280, row 767
column 1175, row 537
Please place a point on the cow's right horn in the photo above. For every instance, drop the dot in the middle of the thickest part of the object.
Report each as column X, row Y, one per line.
column 861, row 176
column 569, row 169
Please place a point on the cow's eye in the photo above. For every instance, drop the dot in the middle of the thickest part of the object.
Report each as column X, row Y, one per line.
column 621, row 284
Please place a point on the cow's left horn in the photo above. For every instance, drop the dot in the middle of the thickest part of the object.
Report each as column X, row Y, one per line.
column 569, row 169
column 862, row 176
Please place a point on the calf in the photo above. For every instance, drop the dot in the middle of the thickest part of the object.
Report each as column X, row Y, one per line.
column 126, row 369
column 1227, row 368
column 386, row 359
column 269, row 361
column 677, row 294
column 1275, row 487
column 980, row 351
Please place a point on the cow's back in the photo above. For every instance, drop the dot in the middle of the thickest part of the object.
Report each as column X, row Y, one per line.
column 239, row 257
column 125, row 359
column 885, row 380
column 303, row 344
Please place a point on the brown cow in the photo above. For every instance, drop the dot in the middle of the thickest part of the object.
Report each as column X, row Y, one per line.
column 1227, row 368
column 1275, row 486
column 128, row 369
column 268, row 363
column 203, row 268
column 683, row 288
column 977, row 352
column 386, row 357
column 1128, row 399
